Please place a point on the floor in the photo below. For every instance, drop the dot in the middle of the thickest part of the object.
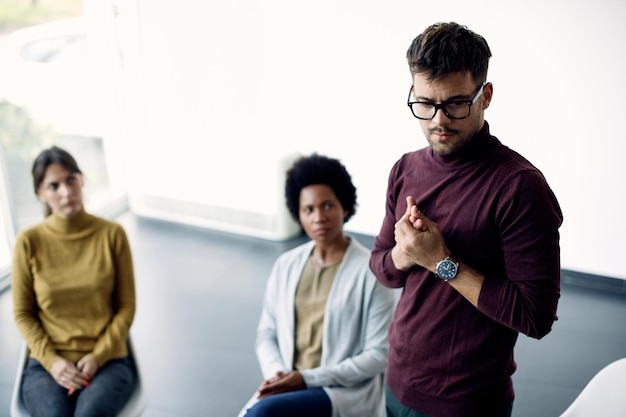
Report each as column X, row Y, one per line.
column 199, row 296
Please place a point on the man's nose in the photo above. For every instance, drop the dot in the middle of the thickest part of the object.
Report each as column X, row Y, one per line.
column 441, row 118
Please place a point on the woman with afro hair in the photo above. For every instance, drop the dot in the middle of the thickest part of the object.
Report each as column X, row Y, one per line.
column 322, row 336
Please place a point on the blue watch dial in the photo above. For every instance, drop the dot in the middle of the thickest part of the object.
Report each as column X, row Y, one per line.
column 447, row 269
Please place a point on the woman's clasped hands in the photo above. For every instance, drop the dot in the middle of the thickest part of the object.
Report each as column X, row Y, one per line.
column 282, row 382
column 74, row 377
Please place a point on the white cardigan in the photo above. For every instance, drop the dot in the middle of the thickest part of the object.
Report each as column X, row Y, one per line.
column 354, row 345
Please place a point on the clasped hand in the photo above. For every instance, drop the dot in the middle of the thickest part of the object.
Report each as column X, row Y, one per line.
column 418, row 240
column 71, row 376
column 282, row 382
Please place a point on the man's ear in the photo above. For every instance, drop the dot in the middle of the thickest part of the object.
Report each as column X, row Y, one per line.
column 487, row 95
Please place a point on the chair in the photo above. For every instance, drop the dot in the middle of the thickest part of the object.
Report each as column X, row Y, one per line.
column 603, row 395
column 133, row 408
column 253, row 400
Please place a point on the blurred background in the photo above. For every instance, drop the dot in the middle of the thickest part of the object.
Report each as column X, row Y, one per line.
column 184, row 114
column 190, row 110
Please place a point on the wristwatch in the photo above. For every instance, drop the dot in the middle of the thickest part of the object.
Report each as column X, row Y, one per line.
column 447, row 268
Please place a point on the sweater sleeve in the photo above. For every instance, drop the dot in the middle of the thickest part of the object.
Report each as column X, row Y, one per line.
column 526, row 298
column 25, row 308
column 380, row 261
column 118, row 329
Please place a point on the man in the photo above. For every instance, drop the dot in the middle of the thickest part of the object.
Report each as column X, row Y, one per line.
column 471, row 234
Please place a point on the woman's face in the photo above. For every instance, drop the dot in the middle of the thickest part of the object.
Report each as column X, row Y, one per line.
column 321, row 213
column 62, row 190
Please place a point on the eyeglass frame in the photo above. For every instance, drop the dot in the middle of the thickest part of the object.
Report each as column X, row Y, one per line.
column 442, row 105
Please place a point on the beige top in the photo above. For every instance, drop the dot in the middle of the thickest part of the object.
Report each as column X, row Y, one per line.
column 310, row 304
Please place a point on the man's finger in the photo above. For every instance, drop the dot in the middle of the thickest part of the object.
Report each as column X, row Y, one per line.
column 410, row 202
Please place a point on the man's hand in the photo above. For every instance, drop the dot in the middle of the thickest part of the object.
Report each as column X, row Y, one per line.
column 282, row 382
column 418, row 240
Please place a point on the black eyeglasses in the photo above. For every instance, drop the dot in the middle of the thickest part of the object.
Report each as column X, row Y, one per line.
column 454, row 109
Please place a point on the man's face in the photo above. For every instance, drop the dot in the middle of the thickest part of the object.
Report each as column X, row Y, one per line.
column 447, row 136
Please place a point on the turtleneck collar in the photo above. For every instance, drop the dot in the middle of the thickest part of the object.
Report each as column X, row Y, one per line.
column 69, row 225
column 476, row 148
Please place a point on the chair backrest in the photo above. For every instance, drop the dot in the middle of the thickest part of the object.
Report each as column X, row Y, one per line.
column 133, row 408
column 604, row 395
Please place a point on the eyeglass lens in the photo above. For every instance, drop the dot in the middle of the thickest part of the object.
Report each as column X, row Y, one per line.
column 452, row 109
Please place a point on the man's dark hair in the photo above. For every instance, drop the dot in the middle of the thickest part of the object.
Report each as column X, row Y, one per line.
column 446, row 48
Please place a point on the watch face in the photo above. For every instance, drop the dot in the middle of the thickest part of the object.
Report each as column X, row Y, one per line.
column 446, row 269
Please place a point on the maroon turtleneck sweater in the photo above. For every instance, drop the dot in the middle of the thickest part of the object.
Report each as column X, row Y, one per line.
column 498, row 215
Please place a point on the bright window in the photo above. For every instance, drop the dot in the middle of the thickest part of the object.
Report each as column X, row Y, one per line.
column 55, row 89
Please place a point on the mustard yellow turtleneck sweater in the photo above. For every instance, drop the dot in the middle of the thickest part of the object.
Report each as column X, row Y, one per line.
column 73, row 288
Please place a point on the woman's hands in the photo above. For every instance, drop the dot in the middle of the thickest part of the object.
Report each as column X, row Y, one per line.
column 71, row 376
column 282, row 382
column 88, row 365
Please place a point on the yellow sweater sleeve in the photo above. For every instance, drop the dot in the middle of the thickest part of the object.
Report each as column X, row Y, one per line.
column 25, row 304
column 114, row 337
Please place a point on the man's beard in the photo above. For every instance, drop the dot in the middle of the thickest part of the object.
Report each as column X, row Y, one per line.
column 451, row 147
column 448, row 148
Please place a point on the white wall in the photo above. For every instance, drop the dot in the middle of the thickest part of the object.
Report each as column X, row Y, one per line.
column 230, row 88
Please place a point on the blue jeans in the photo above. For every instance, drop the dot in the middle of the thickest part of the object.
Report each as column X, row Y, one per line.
column 309, row 402
column 396, row 409
column 106, row 395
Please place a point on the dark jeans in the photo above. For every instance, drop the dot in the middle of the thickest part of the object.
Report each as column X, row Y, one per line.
column 396, row 409
column 310, row 402
column 105, row 396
